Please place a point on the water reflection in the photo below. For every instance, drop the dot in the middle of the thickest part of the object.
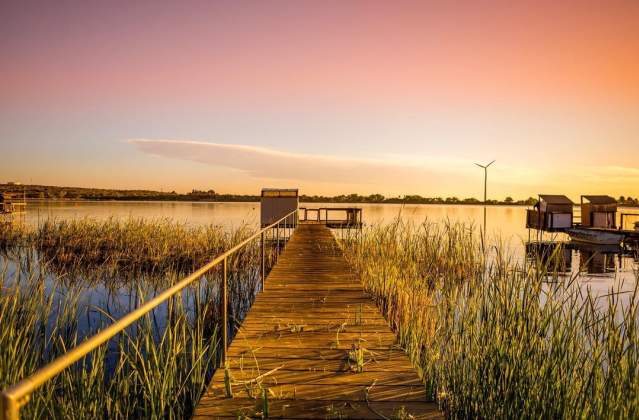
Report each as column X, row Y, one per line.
column 584, row 260
column 554, row 255
column 599, row 261
column 505, row 225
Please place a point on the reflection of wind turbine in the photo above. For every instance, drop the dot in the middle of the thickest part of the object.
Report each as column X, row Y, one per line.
column 485, row 167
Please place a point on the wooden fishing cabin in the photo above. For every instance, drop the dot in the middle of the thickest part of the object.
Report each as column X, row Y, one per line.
column 598, row 211
column 597, row 224
column 276, row 203
column 551, row 213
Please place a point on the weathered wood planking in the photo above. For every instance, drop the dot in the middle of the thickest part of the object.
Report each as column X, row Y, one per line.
column 296, row 339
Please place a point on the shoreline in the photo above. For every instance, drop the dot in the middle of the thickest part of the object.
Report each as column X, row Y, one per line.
column 302, row 203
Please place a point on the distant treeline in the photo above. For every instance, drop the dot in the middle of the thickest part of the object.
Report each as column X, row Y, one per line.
column 45, row 192
column 409, row 199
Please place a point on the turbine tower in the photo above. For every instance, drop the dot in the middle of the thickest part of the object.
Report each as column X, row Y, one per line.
column 485, row 167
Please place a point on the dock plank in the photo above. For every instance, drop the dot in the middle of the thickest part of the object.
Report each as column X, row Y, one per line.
column 297, row 340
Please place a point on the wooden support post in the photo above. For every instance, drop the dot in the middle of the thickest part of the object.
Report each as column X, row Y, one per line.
column 9, row 408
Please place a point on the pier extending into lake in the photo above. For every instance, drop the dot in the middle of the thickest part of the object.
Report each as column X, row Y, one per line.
column 314, row 345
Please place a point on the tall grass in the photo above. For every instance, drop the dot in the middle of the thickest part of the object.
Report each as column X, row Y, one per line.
column 158, row 367
column 132, row 245
column 493, row 338
column 145, row 372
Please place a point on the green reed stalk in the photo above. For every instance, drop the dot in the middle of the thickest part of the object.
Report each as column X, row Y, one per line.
column 145, row 372
column 492, row 337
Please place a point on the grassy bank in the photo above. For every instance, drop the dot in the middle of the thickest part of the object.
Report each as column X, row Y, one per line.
column 498, row 341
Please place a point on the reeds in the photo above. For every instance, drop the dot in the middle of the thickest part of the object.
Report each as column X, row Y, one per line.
column 492, row 337
column 158, row 367
column 145, row 372
column 132, row 245
column 138, row 245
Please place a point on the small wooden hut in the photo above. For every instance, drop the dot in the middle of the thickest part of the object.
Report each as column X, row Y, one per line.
column 551, row 213
column 598, row 211
column 276, row 203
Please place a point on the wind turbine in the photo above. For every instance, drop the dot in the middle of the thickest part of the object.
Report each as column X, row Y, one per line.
column 485, row 167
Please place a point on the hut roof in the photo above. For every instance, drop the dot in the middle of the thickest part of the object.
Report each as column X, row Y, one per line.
column 280, row 192
column 555, row 199
column 600, row 199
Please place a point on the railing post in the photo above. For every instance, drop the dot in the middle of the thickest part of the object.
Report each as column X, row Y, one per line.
column 278, row 238
column 262, row 260
column 9, row 408
column 225, row 309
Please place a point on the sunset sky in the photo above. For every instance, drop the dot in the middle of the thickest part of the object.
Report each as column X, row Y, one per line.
column 391, row 97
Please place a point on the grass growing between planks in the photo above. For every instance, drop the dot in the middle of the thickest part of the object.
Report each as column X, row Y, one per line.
column 495, row 339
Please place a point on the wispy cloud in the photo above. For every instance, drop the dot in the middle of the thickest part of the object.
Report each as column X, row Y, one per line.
column 394, row 174
column 260, row 162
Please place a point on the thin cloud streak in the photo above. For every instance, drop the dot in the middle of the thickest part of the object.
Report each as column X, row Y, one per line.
column 260, row 162
column 396, row 174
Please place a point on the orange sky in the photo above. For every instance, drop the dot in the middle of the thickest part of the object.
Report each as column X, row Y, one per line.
column 416, row 90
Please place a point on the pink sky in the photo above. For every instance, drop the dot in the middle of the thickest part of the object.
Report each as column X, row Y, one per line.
column 550, row 89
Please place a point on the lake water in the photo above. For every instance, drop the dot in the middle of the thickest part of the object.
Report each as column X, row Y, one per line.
column 505, row 221
column 597, row 270
column 600, row 268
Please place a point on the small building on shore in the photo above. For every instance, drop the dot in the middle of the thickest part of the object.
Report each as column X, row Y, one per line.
column 598, row 211
column 551, row 213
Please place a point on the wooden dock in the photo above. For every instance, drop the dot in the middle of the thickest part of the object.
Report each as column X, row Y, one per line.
column 300, row 342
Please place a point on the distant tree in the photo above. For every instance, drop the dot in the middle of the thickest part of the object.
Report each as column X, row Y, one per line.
column 509, row 200
column 375, row 198
column 414, row 198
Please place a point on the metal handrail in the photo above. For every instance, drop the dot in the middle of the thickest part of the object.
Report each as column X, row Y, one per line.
column 353, row 215
column 16, row 396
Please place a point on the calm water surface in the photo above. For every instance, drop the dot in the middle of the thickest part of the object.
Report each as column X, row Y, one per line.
column 504, row 221
column 506, row 224
column 598, row 270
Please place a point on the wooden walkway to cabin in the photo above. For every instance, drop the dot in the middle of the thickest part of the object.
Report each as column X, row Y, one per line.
column 297, row 342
